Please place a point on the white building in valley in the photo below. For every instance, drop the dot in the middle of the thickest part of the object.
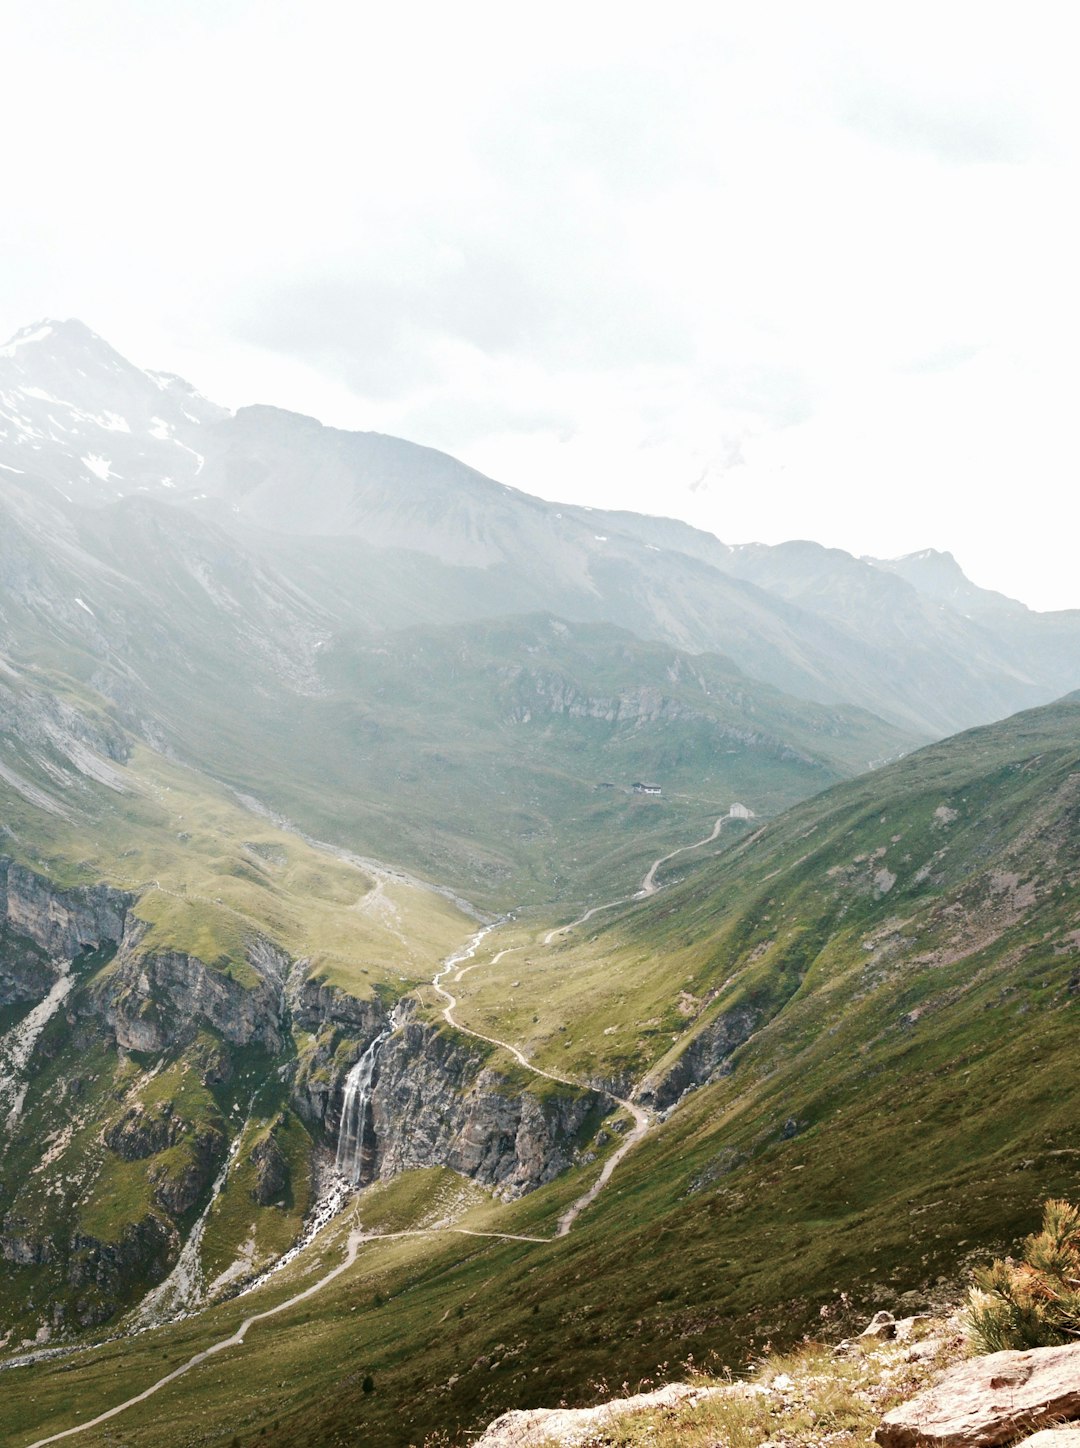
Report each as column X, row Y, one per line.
column 740, row 812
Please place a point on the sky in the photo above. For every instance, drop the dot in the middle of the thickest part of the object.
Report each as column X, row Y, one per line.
column 782, row 270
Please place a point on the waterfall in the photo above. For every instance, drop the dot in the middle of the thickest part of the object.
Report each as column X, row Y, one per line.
column 356, row 1110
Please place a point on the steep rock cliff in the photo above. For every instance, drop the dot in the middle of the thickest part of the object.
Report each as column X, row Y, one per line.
column 42, row 926
column 154, row 1000
column 704, row 1054
column 436, row 1101
column 341, row 1028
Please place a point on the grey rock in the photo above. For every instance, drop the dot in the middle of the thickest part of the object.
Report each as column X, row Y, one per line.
column 139, row 1133
column 154, row 1000
column 704, row 1054
column 41, row 926
column 882, row 1325
column 1066, row 1436
column 271, row 1171
column 436, row 1103
column 989, row 1400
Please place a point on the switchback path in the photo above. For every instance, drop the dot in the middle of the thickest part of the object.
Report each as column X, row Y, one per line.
column 643, row 1118
column 643, row 1121
column 647, row 887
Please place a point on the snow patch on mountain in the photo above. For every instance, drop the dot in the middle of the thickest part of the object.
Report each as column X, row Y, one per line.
column 99, row 466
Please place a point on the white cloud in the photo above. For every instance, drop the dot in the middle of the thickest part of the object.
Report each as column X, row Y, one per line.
column 783, row 270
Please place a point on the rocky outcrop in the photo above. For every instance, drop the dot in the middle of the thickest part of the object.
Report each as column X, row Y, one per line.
column 989, row 1400
column 436, row 1102
column 101, row 1274
column 19, row 1244
column 41, row 925
column 271, row 1171
column 61, row 922
column 26, row 972
column 140, row 1132
column 1067, row 1436
column 703, row 1055
column 343, row 1027
column 315, row 1004
column 540, row 1427
column 435, row 1099
column 178, row 1186
column 155, row 1000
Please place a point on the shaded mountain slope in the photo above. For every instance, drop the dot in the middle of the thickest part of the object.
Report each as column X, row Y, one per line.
column 380, row 532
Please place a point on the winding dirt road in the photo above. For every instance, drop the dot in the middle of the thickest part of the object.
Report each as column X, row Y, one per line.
column 647, row 887
column 643, row 1120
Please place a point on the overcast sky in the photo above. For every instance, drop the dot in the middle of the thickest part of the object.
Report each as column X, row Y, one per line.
column 784, row 270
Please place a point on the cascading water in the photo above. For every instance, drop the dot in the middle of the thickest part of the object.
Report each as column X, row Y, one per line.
column 357, row 1106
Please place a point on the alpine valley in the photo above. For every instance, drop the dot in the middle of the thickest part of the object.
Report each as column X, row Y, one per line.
column 459, row 950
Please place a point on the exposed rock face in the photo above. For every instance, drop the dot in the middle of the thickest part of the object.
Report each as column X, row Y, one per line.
column 333, row 1017
column 18, row 1244
column 140, row 1133
column 271, row 1171
column 151, row 1001
column 40, row 925
column 26, row 972
column 102, row 1272
column 989, row 1400
column 177, row 1189
column 1067, row 1436
column 316, row 1004
column 434, row 1102
column 533, row 1427
column 703, row 1054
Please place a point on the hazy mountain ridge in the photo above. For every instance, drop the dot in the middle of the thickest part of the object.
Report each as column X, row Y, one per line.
column 894, row 637
column 196, row 634
column 75, row 413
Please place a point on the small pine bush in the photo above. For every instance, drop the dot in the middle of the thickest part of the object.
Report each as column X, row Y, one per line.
column 1034, row 1302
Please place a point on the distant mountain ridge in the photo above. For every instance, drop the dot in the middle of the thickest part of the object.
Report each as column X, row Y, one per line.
column 381, row 532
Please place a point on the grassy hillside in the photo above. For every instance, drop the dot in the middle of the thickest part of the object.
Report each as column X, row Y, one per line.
column 476, row 754
column 902, row 956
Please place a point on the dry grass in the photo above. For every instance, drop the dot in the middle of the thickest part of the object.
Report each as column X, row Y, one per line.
column 815, row 1397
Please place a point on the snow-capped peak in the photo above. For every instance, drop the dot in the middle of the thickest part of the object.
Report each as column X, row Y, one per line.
column 75, row 413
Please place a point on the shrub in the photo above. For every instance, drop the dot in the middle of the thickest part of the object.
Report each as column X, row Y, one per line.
column 1034, row 1302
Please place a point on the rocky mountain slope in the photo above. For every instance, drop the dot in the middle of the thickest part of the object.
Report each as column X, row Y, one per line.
column 380, row 531
column 830, row 1025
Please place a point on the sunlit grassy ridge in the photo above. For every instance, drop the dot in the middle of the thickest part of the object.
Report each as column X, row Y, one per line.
column 207, row 874
column 902, row 1107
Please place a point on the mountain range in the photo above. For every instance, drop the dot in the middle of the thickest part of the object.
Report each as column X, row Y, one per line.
column 330, row 893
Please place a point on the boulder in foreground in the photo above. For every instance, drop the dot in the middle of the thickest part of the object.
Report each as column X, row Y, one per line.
column 524, row 1428
column 989, row 1400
